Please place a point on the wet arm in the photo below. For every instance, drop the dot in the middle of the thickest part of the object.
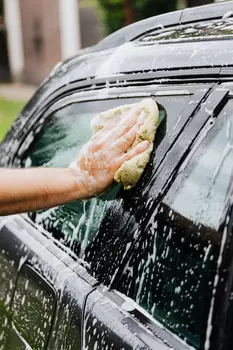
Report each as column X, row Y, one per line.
column 23, row 190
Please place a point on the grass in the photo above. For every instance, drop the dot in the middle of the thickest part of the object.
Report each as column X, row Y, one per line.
column 9, row 110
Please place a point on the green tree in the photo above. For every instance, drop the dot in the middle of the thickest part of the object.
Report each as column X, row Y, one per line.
column 192, row 3
column 148, row 8
column 118, row 13
column 113, row 14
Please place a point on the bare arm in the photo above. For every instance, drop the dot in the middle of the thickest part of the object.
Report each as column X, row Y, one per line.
column 93, row 170
column 23, row 190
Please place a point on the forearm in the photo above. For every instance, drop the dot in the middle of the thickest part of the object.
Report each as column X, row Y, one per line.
column 23, row 190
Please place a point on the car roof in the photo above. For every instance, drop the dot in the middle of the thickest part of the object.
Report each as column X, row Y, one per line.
column 126, row 52
column 189, row 15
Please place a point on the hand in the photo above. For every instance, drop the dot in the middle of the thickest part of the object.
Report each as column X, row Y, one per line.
column 99, row 159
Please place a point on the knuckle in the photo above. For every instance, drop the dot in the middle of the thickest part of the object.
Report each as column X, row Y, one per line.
column 125, row 138
column 128, row 156
column 129, row 137
column 125, row 128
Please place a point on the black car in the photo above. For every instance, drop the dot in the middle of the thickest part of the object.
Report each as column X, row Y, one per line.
column 151, row 268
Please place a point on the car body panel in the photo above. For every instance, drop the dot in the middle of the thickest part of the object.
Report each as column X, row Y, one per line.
column 107, row 325
column 25, row 247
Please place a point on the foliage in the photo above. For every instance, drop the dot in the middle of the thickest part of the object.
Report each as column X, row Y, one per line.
column 114, row 15
column 192, row 3
column 9, row 110
column 148, row 8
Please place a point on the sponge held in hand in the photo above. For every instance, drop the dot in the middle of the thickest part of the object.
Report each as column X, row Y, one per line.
column 131, row 170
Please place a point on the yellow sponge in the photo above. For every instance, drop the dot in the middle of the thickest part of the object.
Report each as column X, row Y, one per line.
column 131, row 170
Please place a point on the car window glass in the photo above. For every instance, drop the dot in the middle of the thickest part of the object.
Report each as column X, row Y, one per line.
column 172, row 268
column 207, row 185
column 57, row 145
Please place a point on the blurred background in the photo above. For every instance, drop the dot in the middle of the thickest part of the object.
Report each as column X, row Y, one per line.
column 36, row 34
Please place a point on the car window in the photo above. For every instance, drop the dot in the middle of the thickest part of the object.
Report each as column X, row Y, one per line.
column 65, row 131
column 172, row 268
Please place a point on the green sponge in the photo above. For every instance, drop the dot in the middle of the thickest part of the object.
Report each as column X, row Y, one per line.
column 131, row 170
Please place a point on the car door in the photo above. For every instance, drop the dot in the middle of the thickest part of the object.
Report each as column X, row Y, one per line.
column 32, row 311
column 36, row 312
column 177, row 273
column 29, row 309
column 72, row 228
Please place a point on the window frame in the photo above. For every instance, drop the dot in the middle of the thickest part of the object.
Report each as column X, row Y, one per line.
column 35, row 124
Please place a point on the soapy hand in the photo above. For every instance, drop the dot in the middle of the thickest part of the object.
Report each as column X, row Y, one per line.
column 99, row 159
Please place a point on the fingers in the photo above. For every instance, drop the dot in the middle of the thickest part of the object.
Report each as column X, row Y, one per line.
column 125, row 141
column 140, row 148
column 108, row 126
column 142, row 117
column 120, row 132
column 125, row 124
column 123, row 135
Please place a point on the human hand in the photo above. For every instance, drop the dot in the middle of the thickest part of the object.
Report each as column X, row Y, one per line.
column 100, row 158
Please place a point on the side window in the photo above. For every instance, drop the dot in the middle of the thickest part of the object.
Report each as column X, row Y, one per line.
column 171, row 270
column 65, row 131
column 33, row 308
